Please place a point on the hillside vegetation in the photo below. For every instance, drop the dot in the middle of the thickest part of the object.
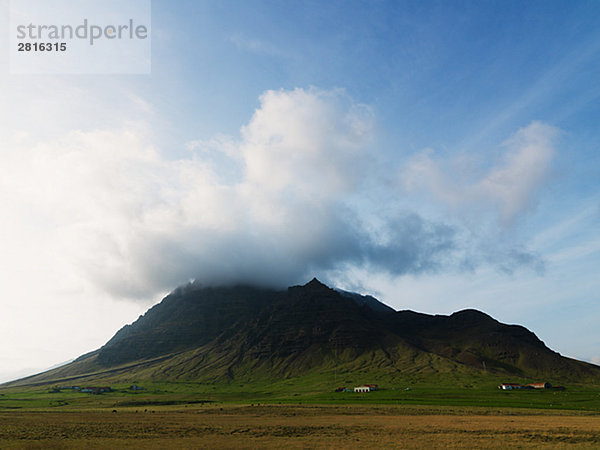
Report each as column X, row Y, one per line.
column 245, row 334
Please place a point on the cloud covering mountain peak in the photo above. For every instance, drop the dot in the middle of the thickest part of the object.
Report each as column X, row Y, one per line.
column 291, row 197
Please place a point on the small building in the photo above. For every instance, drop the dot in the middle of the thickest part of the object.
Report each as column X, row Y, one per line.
column 510, row 386
column 96, row 390
column 544, row 385
column 365, row 388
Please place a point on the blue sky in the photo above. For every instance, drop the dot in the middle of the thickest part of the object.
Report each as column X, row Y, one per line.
column 439, row 155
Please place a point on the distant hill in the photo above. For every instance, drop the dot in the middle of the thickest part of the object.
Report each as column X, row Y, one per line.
column 248, row 333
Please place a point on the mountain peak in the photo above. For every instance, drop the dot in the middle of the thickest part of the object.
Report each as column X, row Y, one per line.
column 313, row 287
column 230, row 332
column 471, row 315
column 315, row 283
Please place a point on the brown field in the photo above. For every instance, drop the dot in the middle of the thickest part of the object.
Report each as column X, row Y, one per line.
column 297, row 427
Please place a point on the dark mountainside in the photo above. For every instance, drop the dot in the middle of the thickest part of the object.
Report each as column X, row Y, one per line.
column 248, row 333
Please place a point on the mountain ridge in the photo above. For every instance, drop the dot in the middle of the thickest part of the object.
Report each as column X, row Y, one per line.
column 220, row 334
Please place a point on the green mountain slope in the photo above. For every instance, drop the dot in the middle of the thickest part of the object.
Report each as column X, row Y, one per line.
column 246, row 333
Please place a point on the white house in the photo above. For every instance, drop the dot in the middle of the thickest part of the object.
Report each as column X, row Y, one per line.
column 510, row 386
column 366, row 388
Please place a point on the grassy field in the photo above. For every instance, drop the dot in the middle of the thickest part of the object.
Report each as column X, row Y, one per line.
column 272, row 426
column 480, row 393
column 295, row 413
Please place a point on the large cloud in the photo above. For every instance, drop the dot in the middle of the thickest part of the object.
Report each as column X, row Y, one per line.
column 281, row 203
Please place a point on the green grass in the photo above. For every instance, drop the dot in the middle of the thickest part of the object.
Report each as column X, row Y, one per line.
column 573, row 399
column 311, row 389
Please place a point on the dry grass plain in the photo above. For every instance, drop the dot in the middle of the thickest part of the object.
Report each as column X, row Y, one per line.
column 298, row 427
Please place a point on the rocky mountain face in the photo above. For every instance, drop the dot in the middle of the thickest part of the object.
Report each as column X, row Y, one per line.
column 244, row 332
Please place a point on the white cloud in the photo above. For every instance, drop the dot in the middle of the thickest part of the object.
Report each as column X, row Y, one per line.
column 509, row 187
column 513, row 184
column 307, row 140
column 104, row 210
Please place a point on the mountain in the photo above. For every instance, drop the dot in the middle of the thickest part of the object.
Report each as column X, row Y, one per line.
column 247, row 333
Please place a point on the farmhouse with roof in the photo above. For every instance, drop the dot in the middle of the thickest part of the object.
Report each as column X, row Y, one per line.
column 365, row 388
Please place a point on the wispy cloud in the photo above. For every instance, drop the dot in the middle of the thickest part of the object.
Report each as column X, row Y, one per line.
column 578, row 219
column 556, row 76
column 509, row 187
